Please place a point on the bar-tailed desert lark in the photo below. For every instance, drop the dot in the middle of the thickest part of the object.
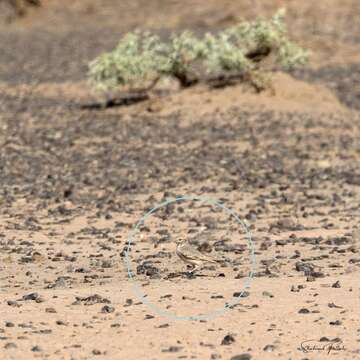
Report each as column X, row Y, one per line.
column 190, row 255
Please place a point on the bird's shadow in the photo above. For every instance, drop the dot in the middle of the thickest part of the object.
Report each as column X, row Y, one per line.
column 194, row 275
column 187, row 275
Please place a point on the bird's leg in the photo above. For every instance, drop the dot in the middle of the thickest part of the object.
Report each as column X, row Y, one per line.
column 194, row 269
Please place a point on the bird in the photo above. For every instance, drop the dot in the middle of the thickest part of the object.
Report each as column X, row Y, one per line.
column 190, row 255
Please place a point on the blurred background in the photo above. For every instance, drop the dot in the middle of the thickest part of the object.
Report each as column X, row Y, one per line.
column 328, row 20
column 54, row 41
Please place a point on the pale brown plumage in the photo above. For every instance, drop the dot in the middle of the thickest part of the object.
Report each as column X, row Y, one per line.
column 190, row 255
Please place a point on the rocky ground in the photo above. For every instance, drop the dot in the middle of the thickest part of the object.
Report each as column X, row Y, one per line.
column 77, row 176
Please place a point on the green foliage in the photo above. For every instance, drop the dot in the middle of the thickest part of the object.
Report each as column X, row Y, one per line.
column 141, row 59
column 134, row 61
column 183, row 51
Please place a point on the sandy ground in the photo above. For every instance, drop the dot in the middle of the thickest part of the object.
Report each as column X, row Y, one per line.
column 76, row 177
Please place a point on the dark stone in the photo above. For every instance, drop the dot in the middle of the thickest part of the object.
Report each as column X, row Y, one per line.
column 242, row 294
column 91, row 300
column 172, row 349
column 13, row 303
column 305, row 267
column 32, row 296
column 241, row 357
column 336, row 323
column 269, row 348
column 107, row 309
column 304, row 311
column 227, row 340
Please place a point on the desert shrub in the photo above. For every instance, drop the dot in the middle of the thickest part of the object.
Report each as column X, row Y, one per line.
column 134, row 62
column 180, row 55
column 141, row 59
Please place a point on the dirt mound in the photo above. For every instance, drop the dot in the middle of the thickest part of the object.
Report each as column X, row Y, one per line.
column 287, row 94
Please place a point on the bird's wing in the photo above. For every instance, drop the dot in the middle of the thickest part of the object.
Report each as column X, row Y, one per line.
column 194, row 254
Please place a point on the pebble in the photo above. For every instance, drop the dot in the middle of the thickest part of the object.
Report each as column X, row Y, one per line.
column 269, row 348
column 304, row 311
column 172, row 349
column 50, row 310
column 107, row 309
column 336, row 323
column 267, row 294
column 32, row 296
column 228, row 339
column 244, row 356
column 242, row 294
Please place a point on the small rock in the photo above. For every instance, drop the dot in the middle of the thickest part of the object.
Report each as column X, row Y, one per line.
column 205, row 247
column 216, row 297
column 107, row 309
column 305, row 267
column 317, row 274
column 336, row 323
column 269, row 348
column 128, row 302
column 116, row 325
column 60, row 322
column 36, row 348
column 267, row 294
column 215, row 356
column 227, row 340
column 10, row 346
column 60, row 282
column 50, row 310
column 304, row 311
column 91, row 300
column 13, row 303
column 106, row 264
column 332, row 305
column 163, row 326
column 242, row 294
column 241, row 357
column 336, row 284
column 172, row 349
column 32, row 296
